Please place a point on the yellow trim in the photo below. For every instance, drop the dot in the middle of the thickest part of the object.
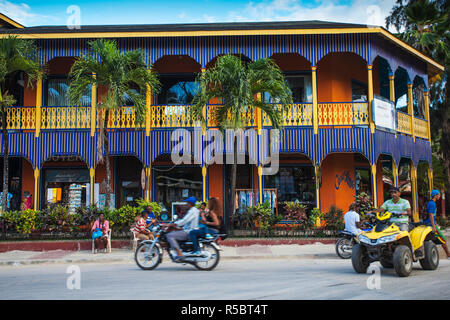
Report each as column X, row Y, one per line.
column 204, row 172
column 10, row 21
column 411, row 109
column 427, row 112
column 36, row 188
column 93, row 107
column 415, row 214
column 148, row 174
column 260, row 186
column 430, row 178
column 392, row 88
column 314, row 99
column 92, row 182
column 395, row 173
column 370, row 96
column 38, row 105
column 148, row 110
column 374, row 184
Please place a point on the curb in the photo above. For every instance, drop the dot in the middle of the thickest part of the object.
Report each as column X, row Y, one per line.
column 130, row 259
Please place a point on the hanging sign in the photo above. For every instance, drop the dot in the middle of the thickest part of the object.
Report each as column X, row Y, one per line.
column 384, row 113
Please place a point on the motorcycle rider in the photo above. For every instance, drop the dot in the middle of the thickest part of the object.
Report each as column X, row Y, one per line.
column 352, row 220
column 397, row 206
column 188, row 223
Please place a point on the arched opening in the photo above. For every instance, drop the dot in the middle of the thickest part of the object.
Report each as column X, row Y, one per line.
column 294, row 182
column 297, row 71
column 342, row 77
column 404, row 180
column 419, row 88
column 423, row 185
column 171, row 184
column 177, row 74
column 344, row 176
column 401, row 81
column 64, row 180
column 381, row 73
column 20, row 183
column 127, row 180
column 56, row 84
column 386, row 178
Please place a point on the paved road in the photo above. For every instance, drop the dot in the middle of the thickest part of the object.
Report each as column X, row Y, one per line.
column 272, row 279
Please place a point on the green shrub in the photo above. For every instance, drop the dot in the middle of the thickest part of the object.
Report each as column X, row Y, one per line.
column 295, row 211
column 28, row 221
column 315, row 213
column 334, row 219
column 144, row 204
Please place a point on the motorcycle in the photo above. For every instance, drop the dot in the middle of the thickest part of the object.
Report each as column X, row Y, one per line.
column 149, row 253
column 345, row 244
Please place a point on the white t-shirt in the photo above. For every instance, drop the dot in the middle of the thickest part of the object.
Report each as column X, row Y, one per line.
column 350, row 219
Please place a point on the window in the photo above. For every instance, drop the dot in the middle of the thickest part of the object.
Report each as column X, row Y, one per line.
column 359, row 91
column 293, row 184
column 301, row 87
column 56, row 93
column 177, row 89
column 419, row 99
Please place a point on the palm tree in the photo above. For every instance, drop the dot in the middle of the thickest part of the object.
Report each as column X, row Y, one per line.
column 236, row 84
column 16, row 55
column 120, row 74
column 426, row 25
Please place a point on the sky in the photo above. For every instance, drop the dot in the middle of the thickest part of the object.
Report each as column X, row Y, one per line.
column 90, row 12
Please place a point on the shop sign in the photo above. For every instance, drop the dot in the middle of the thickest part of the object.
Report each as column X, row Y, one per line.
column 384, row 113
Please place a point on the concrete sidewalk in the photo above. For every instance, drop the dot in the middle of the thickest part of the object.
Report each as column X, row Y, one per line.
column 309, row 251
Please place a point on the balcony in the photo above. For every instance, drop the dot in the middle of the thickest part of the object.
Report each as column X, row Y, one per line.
column 179, row 116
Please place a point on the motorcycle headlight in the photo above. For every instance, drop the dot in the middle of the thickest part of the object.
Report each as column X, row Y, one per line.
column 387, row 239
column 364, row 239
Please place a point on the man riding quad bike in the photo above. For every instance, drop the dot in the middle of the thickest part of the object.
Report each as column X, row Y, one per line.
column 396, row 248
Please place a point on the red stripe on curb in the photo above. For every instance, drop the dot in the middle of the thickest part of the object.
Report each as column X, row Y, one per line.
column 118, row 244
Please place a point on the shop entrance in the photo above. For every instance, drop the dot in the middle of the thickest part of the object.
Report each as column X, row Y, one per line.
column 171, row 185
column 128, row 183
column 64, row 181
column 14, row 183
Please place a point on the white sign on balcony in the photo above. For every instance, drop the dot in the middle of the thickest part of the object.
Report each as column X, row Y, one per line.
column 384, row 113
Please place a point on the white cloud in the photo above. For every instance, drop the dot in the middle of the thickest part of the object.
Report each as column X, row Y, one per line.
column 370, row 12
column 21, row 13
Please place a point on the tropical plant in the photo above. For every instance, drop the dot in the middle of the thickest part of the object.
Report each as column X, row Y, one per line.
column 295, row 211
column 28, row 221
column 365, row 204
column 315, row 218
column 424, row 24
column 334, row 219
column 235, row 84
column 264, row 217
column 144, row 204
column 16, row 56
column 124, row 75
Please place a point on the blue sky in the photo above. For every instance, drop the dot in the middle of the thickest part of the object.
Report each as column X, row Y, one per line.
column 53, row 12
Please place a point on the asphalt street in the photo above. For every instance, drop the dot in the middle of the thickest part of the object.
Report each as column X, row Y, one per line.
column 243, row 279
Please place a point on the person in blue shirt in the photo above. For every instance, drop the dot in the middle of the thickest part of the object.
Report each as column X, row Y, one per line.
column 151, row 218
column 431, row 218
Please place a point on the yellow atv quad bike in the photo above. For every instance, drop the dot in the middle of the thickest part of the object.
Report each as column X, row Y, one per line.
column 395, row 248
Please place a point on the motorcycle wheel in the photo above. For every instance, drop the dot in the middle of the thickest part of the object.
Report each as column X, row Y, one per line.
column 403, row 261
column 431, row 260
column 147, row 259
column 211, row 263
column 344, row 248
column 360, row 259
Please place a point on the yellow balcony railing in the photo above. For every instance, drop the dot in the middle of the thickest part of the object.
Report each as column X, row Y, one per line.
column 20, row 118
column 421, row 128
column 296, row 114
column 248, row 116
column 403, row 122
column 65, row 117
column 343, row 113
column 172, row 116
column 123, row 118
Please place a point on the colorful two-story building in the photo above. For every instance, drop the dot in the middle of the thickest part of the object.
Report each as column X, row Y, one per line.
column 359, row 121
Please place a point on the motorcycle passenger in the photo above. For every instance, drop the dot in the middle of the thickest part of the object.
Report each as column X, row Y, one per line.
column 189, row 222
column 397, row 206
column 352, row 219
column 209, row 223
column 431, row 218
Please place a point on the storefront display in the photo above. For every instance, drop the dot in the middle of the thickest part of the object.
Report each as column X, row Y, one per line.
column 292, row 183
column 174, row 184
column 65, row 186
